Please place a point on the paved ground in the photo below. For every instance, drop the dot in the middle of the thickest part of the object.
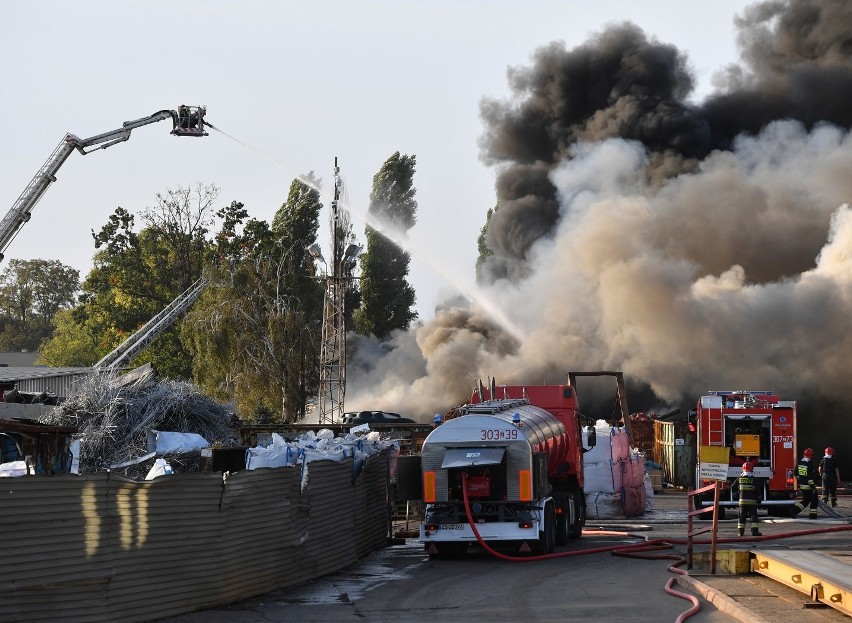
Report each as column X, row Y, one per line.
column 458, row 590
column 753, row 597
column 400, row 584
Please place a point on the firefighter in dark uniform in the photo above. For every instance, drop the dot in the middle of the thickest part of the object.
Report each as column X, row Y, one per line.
column 806, row 477
column 183, row 117
column 749, row 500
column 830, row 474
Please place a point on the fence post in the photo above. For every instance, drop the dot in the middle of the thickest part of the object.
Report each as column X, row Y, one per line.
column 714, row 524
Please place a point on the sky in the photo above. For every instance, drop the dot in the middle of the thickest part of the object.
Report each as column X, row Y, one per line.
column 673, row 177
column 296, row 84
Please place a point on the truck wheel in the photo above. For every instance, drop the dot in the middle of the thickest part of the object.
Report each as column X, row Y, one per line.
column 563, row 526
column 550, row 529
column 547, row 536
column 575, row 531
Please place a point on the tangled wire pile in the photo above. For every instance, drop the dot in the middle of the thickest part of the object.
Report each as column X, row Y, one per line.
column 114, row 414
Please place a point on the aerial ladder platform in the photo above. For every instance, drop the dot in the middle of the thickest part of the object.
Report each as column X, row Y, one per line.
column 186, row 121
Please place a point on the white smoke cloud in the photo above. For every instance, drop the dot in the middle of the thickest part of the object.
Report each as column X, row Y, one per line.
column 735, row 276
column 665, row 296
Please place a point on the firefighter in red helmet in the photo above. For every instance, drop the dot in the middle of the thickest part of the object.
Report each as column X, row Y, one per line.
column 806, row 475
column 830, row 474
column 749, row 499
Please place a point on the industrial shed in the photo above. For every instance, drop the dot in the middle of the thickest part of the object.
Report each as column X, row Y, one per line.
column 37, row 379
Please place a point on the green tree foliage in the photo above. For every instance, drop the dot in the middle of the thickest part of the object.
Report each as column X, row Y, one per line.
column 295, row 226
column 31, row 294
column 135, row 276
column 482, row 245
column 256, row 340
column 387, row 299
column 73, row 344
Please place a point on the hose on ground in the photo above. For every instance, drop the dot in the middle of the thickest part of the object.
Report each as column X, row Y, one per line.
column 640, row 550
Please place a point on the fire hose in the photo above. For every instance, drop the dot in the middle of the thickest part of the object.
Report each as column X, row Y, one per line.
column 644, row 549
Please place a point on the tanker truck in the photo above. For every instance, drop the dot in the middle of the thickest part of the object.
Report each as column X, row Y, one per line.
column 513, row 459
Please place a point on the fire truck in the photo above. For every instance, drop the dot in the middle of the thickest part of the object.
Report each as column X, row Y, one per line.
column 756, row 426
column 515, row 456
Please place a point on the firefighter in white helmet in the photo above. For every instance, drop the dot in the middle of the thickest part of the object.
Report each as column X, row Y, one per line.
column 749, row 500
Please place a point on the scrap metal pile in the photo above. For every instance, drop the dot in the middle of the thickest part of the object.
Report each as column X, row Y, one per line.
column 114, row 415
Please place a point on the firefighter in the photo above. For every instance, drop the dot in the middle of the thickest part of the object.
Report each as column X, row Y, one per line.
column 183, row 117
column 830, row 474
column 193, row 119
column 749, row 500
column 806, row 477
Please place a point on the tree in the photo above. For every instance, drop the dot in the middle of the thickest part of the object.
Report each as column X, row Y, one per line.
column 256, row 341
column 387, row 299
column 295, row 227
column 73, row 344
column 31, row 293
column 482, row 245
column 180, row 219
column 136, row 275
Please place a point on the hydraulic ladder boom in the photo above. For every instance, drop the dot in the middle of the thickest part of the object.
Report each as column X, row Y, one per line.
column 186, row 121
column 128, row 349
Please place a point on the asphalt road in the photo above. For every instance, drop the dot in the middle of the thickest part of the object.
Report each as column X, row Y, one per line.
column 400, row 583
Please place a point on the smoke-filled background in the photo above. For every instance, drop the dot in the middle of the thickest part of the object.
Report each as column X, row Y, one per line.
column 692, row 245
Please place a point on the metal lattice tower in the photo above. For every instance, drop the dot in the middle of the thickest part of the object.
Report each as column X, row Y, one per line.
column 333, row 352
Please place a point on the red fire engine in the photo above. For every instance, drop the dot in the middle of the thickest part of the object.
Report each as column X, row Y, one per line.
column 755, row 426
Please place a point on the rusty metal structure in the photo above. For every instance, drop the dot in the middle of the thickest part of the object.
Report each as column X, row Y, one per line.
column 45, row 448
column 337, row 277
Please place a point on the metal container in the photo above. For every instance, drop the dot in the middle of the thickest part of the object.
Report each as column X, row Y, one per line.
column 675, row 451
column 643, row 436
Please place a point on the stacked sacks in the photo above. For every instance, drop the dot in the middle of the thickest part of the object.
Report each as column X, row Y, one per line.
column 614, row 476
column 320, row 446
column 603, row 469
column 633, row 494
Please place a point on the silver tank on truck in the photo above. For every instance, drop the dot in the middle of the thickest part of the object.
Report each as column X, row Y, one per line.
column 487, row 432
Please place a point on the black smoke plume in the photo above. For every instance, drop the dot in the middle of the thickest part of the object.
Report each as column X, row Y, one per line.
column 693, row 245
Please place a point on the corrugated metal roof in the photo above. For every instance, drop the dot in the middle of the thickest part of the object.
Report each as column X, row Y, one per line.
column 58, row 381
column 13, row 374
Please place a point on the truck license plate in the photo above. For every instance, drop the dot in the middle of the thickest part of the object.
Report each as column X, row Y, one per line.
column 453, row 526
